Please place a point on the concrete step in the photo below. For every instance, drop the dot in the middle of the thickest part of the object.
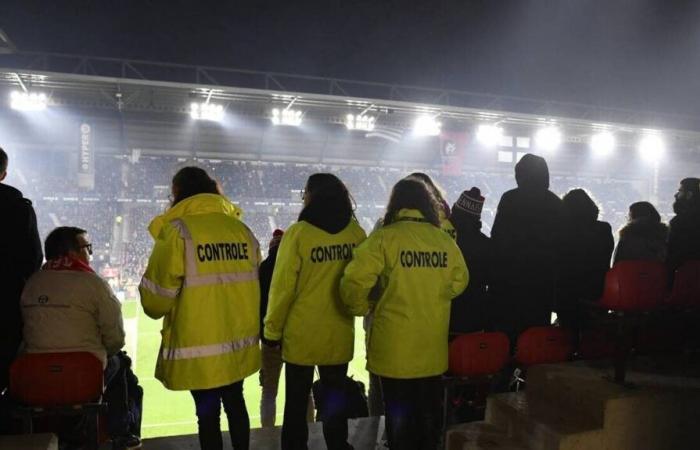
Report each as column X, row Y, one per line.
column 39, row 441
column 541, row 425
column 362, row 434
column 480, row 436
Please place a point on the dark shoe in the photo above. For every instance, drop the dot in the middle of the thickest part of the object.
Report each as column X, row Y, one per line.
column 128, row 442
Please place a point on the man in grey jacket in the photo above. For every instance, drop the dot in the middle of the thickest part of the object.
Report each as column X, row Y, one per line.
column 67, row 307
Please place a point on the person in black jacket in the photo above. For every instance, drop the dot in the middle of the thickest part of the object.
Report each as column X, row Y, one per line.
column 20, row 257
column 469, row 311
column 684, row 230
column 644, row 236
column 589, row 245
column 527, row 240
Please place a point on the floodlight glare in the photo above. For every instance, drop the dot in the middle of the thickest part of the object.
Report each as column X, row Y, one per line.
column 427, row 126
column 361, row 122
column 548, row 138
column 652, row 148
column 289, row 117
column 602, row 143
column 25, row 101
column 207, row 111
column 489, row 135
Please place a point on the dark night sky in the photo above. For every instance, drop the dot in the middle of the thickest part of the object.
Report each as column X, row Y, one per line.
column 626, row 53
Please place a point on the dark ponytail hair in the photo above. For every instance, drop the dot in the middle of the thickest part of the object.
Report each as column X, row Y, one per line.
column 413, row 193
column 190, row 181
column 326, row 194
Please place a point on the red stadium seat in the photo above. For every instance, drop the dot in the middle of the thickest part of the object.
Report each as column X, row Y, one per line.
column 634, row 286
column 686, row 286
column 544, row 345
column 478, row 354
column 58, row 384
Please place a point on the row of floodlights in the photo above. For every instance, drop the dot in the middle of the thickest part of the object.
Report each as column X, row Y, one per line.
column 651, row 146
column 548, row 138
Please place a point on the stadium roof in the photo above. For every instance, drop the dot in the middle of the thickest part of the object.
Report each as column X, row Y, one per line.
column 6, row 45
column 162, row 92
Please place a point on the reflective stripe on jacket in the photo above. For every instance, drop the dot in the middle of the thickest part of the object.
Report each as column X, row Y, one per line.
column 420, row 270
column 304, row 309
column 202, row 278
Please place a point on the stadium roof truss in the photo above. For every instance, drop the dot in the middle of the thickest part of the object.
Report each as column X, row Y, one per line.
column 136, row 85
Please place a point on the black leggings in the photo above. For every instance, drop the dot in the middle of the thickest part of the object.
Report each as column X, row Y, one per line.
column 208, row 403
column 298, row 379
column 412, row 408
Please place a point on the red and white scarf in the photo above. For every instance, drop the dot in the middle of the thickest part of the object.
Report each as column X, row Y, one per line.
column 67, row 263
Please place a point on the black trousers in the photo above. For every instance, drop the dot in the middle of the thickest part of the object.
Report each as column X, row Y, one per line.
column 208, row 404
column 413, row 412
column 298, row 379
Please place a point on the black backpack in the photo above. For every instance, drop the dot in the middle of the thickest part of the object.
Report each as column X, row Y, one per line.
column 354, row 395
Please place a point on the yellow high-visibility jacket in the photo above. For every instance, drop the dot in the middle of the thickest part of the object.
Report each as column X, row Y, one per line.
column 304, row 309
column 446, row 225
column 202, row 278
column 420, row 270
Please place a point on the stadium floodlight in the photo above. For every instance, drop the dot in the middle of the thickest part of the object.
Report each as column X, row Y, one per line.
column 602, row 143
column 207, row 111
column 548, row 138
column 426, row 125
column 28, row 101
column 286, row 116
column 489, row 135
column 360, row 122
column 652, row 148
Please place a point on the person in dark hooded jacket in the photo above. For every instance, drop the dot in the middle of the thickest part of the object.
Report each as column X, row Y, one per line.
column 684, row 228
column 589, row 245
column 305, row 312
column 527, row 236
column 644, row 236
column 20, row 257
column 470, row 310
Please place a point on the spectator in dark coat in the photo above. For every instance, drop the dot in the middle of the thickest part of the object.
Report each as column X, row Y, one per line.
column 644, row 236
column 589, row 245
column 527, row 240
column 684, row 230
column 470, row 309
column 20, row 257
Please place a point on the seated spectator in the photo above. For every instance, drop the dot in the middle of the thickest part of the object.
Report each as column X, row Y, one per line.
column 588, row 245
column 469, row 310
column 684, row 230
column 66, row 307
column 644, row 236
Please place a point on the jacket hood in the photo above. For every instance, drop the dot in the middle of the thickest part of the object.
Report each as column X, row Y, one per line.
column 8, row 192
column 531, row 172
column 331, row 221
column 197, row 204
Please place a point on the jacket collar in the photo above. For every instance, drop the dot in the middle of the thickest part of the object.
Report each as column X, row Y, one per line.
column 409, row 214
column 197, row 204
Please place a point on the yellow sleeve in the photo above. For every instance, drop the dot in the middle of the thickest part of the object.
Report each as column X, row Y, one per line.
column 283, row 286
column 459, row 274
column 161, row 284
column 361, row 274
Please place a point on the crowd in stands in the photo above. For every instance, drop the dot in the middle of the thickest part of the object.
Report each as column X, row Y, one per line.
column 128, row 193
column 338, row 252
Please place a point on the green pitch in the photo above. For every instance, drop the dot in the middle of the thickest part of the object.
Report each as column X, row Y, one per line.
column 167, row 413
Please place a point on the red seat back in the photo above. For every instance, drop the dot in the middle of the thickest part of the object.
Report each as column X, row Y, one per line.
column 544, row 345
column 686, row 285
column 478, row 354
column 56, row 379
column 634, row 286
